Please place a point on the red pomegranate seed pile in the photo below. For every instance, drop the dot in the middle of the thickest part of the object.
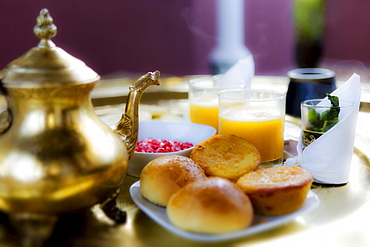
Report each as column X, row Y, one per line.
column 152, row 145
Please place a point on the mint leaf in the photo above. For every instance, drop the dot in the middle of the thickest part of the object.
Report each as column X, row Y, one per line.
column 333, row 99
column 313, row 117
column 327, row 119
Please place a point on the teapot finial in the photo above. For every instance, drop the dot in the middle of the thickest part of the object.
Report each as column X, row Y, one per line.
column 45, row 29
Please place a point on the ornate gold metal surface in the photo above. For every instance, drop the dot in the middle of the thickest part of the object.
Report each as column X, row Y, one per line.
column 127, row 127
column 56, row 155
column 340, row 220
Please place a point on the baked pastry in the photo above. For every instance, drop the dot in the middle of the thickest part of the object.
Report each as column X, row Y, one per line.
column 213, row 205
column 226, row 156
column 165, row 175
column 276, row 190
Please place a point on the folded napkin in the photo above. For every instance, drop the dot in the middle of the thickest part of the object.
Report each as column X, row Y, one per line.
column 329, row 157
column 241, row 71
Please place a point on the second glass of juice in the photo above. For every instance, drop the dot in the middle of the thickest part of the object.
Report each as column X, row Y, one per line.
column 257, row 116
column 203, row 97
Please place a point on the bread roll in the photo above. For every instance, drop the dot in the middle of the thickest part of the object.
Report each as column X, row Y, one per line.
column 213, row 205
column 163, row 176
column 226, row 156
column 276, row 190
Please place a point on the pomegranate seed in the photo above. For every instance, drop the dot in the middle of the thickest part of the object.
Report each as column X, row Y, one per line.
column 152, row 145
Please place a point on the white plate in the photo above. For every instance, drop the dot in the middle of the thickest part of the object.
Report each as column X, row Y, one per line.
column 159, row 215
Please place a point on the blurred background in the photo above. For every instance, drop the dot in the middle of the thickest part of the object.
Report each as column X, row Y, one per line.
column 116, row 37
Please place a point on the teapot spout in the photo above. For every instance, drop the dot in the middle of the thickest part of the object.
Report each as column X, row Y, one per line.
column 128, row 126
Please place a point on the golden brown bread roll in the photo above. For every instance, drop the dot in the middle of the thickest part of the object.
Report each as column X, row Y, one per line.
column 226, row 156
column 276, row 190
column 213, row 205
column 163, row 176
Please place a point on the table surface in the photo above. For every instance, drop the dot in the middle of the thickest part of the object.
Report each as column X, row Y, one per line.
column 340, row 220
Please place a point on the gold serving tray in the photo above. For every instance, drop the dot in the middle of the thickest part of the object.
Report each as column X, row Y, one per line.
column 341, row 219
column 341, row 216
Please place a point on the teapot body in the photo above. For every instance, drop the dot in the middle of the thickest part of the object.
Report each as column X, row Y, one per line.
column 57, row 155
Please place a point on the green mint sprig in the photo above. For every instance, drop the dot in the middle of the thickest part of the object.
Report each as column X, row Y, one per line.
column 327, row 119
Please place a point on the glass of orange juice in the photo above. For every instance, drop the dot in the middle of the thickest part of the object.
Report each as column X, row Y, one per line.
column 256, row 115
column 203, row 97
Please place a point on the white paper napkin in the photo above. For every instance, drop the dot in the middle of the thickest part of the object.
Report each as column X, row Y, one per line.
column 329, row 157
column 243, row 70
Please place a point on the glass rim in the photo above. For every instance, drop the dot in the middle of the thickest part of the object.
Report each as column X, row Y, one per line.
column 209, row 82
column 342, row 103
column 277, row 95
column 311, row 73
column 205, row 77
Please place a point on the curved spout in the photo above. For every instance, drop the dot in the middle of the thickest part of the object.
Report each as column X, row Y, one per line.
column 128, row 126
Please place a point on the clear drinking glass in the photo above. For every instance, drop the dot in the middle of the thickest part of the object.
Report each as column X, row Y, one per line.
column 203, row 97
column 327, row 150
column 256, row 115
column 313, row 123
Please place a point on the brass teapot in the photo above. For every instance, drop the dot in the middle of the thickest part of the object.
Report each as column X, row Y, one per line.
column 56, row 155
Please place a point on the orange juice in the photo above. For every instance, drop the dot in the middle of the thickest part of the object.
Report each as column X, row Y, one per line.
column 265, row 129
column 203, row 97
column 204, row 111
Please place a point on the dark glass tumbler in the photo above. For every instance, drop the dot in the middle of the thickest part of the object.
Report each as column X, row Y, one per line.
column 307, row 83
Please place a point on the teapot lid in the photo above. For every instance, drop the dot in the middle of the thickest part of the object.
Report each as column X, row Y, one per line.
column 46, row 64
